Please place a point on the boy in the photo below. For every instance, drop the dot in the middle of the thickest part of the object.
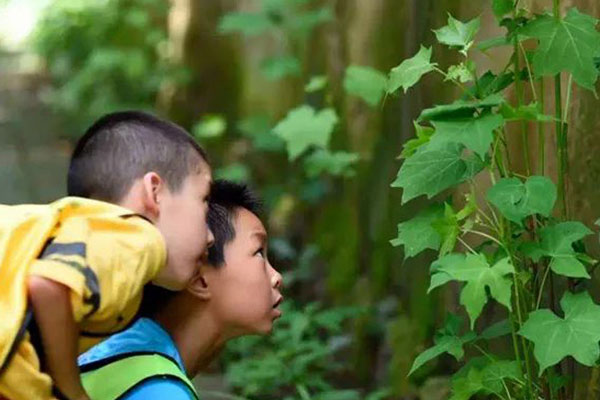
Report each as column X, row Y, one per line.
column 86, row 282
column 235, row 292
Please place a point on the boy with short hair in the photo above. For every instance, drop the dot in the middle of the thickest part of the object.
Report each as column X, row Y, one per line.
column 82, row 263
column 235, row 292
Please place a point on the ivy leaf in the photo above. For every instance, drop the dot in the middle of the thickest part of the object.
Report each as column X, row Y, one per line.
column 410, row 71
column 490, row 84
column 279, row 67
column 492, row 43
column 557, row 243
column 411, row 146
column 418, row 234
column 430, row 171
column 476, row 133
column 479, row 275
column 303, row 128
column 259, row 130
column 458, row 34
column 460, row 108
column 337, row 164
column 499, row 329
column 517, row 200
column 576, row 335
column 568, row 44
column 248, row 24
column 447, row 340
column 366, row 83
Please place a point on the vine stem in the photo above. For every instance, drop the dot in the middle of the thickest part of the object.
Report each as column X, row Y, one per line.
column 539, row 300
column 519, row 89
column 541, row 130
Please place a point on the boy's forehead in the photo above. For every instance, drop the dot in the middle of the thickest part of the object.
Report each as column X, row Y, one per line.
column 249, row 225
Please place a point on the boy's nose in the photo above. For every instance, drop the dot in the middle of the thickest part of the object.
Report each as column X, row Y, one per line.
column 276, row 279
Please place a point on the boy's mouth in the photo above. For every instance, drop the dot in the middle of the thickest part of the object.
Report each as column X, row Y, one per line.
column 278, row 302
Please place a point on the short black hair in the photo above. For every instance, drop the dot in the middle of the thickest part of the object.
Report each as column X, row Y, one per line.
column 226, row 199
column 123, row 146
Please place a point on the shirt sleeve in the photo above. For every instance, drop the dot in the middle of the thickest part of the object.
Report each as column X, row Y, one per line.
column 104, row 260
column 160, row 388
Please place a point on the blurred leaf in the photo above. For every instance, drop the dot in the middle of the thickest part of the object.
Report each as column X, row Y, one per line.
column 461, row 73
column 496, row 330
column 489, row 44
column 337, row 164
column 410, row 71
column 211, row 126
column 234, row 172
column 316, row 83
column 502, row 7
column 279, row 67
column 525, row 112
column 366, row 83
column 304, row 128
column 248, row 24
column 258, row 128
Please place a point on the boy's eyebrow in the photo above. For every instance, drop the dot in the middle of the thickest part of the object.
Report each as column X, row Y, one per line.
column 262, row 235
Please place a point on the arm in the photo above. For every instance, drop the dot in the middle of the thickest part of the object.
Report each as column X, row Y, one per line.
column 52, row 311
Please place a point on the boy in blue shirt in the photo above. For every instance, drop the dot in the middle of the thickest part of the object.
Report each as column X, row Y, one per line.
column 234, row 292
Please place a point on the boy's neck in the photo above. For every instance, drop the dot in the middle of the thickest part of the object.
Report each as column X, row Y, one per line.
column 195, row 332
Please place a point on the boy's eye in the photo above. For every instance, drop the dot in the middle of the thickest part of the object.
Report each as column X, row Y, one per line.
column 260, row 252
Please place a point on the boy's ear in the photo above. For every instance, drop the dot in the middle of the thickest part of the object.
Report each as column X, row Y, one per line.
column 198, row 286
column 153, row 186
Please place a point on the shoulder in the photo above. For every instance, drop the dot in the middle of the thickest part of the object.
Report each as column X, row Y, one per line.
column 160, row 388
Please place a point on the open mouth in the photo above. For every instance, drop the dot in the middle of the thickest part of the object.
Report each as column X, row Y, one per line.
column 278, row 302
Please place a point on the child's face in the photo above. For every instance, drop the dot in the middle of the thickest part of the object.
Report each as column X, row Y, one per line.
column 245, row 289
column 182, row 222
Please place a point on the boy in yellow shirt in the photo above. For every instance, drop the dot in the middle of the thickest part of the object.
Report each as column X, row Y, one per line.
column 82, row 263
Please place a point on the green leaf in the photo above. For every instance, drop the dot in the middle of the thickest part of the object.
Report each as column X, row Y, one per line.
column 479, row 275
column 279, row 67
column 458, row 34
column 337, row 164
column 366, row 83
column 447, row 340
column 431, row 171
column 557, row 243
column 448, row 229
column 576, row 335
column 234, row 172
column 484, row 376
column 517, row 200
column 303, row 128
column 259, row 130
column 476, row 133
column 490, row 84
column 411, row 146
column 418, row 234
column 568, row 44
column 492, row 43
column 527, row 112
column 316, row 83
column 460, row 108
column 211, row 126
column 410, row 71
column 461, row 73
column 248, row 24
column 502, row 7
column 497, row 330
